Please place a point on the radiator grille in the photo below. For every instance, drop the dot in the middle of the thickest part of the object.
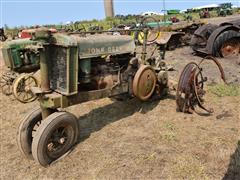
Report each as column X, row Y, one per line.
column 58, row 72
column 63, row 71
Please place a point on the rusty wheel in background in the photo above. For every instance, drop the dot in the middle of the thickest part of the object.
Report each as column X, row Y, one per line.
column 230, row 48
column 22, row 88
column 144, row 82
column 6, row 82
column 6, row 86
column 55, row 137
column 27, row 130
column 227, row 44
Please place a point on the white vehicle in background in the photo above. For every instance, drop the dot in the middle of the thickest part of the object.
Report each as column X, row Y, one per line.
column 151, row 13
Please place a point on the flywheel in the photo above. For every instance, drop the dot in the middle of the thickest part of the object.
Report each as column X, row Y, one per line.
column 144, row 82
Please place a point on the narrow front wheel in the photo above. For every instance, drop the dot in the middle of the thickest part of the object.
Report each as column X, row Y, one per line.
column 56, row 136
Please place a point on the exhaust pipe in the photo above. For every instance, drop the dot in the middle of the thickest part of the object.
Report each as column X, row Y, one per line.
column 108, row 5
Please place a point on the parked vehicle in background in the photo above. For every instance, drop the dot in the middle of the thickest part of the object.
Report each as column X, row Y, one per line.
column 225, row 9
column 204, row 14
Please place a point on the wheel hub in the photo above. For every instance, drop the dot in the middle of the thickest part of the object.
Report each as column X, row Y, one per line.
column 230, row 48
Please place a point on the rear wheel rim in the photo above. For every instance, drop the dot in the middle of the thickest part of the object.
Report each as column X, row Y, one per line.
column 230, row 48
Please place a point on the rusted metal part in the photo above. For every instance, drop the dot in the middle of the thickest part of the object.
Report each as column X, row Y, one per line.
column 233, row 23
column 201, row 35
column 190, row 90
column 55, row 100
column 210, row 39
column 144, row 82
column 6, row 82
column 45, row 82
column 22, row 88
column 2, row 35
column 230, row 48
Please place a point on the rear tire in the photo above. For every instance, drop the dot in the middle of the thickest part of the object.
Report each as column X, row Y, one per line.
column 221, row 39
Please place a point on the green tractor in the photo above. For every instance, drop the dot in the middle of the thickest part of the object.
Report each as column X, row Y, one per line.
column 22, row 61
column 80, row 67
column 225, row 9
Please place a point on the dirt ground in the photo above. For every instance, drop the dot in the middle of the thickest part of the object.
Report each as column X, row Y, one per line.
column 138, row 140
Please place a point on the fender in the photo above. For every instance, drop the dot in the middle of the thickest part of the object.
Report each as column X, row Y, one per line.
column 216, row 33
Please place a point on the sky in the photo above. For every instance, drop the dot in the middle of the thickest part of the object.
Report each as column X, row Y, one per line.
column 39, row 12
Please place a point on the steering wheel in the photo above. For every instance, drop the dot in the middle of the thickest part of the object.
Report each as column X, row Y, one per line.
column 153, row 31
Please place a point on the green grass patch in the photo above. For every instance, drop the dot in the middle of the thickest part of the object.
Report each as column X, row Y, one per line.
column 222, row 90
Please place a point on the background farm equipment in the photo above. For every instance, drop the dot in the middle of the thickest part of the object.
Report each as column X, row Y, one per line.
column 225, row 9
column 23, row 62
column 172, row 35
column 174, row 19
column 222, row 40
column 3, row 37
column 204, row 14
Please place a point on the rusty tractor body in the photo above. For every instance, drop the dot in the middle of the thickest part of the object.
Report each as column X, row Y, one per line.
column 222, row 40
column 80, row 67
column 174, row 35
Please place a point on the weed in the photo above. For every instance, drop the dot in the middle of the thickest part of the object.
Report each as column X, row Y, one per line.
column 222, row 90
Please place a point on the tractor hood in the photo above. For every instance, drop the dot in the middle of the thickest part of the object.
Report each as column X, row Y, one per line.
column 95, row 45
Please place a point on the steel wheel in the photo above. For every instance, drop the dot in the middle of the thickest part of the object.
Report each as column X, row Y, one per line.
column 230, row 48
column 56, row 136
column 144, row 82
column 6, row 82
column 6, row 86
column 227, row 44
column 22, row 88
column 26, row 131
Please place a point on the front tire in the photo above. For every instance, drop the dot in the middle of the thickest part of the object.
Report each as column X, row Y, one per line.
column 55, row 137
column 28, row 125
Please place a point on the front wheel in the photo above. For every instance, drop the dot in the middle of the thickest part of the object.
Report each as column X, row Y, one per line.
column 26, row 131
column 55, row 136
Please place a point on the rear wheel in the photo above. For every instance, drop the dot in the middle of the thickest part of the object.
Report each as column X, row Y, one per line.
column 22, row 88
column 56, row 136
column 227, row 44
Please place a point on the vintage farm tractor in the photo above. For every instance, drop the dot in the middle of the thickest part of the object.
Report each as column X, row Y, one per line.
column 80, row 67
column 222, row 40
column 23, row 62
